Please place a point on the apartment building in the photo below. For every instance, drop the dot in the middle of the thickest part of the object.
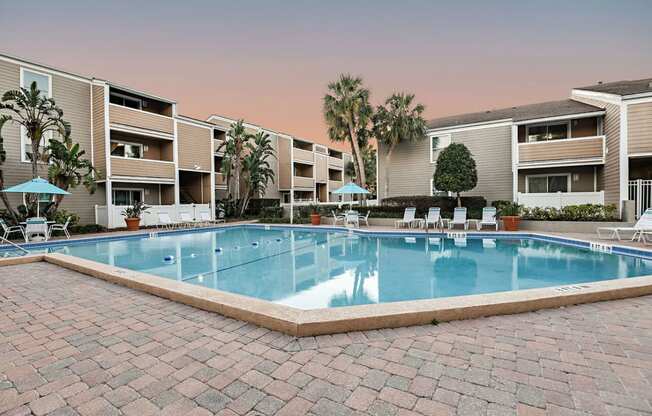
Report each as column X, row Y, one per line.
column 594, row 147
column 146, row 151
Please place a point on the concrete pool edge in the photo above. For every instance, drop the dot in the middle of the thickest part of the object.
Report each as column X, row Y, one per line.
column 303, row 323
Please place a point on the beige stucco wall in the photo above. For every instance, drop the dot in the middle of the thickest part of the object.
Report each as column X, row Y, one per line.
column 74, row 97
column 194, row 146
column 410, row 170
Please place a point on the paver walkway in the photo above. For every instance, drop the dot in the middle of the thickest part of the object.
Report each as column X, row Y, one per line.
column 71, row 344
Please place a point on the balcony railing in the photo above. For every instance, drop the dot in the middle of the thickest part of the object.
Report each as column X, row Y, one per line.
column 305, row 156
column 335, row 162
column 303, row 182
column 142, row 168
column 590, row 150
column 139, row 119
column 334, row 185
column 559, row 199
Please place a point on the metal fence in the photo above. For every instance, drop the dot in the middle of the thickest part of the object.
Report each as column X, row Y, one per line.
column 640, row 191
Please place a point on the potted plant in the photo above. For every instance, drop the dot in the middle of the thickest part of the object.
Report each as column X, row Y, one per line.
column 510, row 214
column 315, row 216
column 132, row 215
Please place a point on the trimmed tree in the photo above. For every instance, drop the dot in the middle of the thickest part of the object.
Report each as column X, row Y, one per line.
column 456, row 171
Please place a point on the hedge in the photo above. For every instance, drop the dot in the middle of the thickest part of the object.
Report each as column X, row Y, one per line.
column 585, row 212
column 259, row 204
column 422, row 203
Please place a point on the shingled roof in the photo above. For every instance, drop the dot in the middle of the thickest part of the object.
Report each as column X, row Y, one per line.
column 637, row 86
column 519, row 113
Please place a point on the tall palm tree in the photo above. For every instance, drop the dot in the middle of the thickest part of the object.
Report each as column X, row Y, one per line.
column 234, row 146
column 347, row 113
column 256, row 167
column 398, row 121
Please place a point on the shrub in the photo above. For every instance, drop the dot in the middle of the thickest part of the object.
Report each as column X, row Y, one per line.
column 61, row 215
column 455, row 171
column 87, row 229
column 585, row 212
column 509, row 209
column 422, row 203
column 271, row 212
column 256, row 206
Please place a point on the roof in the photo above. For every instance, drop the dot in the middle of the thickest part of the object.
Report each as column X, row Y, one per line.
column 518, row 113
column 637, row 86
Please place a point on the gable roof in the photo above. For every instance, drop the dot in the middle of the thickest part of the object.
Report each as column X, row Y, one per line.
column 621, row 88
column 518, row 113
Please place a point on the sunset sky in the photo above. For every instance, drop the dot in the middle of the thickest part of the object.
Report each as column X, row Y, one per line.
column 270, row 61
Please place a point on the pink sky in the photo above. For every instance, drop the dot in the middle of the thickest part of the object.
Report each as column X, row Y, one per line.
column 270, row 61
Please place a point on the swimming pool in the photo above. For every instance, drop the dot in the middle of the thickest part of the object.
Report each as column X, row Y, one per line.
column 313, row 268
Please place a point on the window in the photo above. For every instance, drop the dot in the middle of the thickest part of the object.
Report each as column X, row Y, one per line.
column 129, row 150
column 438, row 143
column 125, row 101
column 547, row 184
column 123, row 197
column 543, row 132
column 43, row 81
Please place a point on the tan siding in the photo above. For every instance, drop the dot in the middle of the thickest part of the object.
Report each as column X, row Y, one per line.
column 639, row 128
column 140, row 119
column 195, row 147
column 321, row 168
column 74, row 98
column 141, row 168
column 611, row 172
column 335, row 162
column 284, row 164
column 560, row 150
column 302, row 182
column 410, row 169
column 301, row 155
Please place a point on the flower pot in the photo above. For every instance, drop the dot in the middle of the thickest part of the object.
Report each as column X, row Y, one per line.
column 315, row 219
column 133, row 224
column 511, row 222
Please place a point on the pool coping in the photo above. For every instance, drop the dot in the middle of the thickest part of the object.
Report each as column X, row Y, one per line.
column 298, row 322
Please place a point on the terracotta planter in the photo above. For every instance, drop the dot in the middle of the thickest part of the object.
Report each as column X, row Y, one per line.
column 315, row 219
column 133, row 224
column 511, row 223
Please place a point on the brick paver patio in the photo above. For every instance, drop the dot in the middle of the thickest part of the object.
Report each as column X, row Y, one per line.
column 71, row 344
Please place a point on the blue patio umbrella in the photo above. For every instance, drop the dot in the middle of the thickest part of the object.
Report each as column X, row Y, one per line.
column 351, row 189
column 36, row 186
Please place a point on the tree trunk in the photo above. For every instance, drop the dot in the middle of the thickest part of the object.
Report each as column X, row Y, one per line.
column 459, row 200
column 357, row 157
column 388, row 158
column 5, row 200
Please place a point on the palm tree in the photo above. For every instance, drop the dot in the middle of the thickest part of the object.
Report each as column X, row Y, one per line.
column 68, row 168
column 347, row 113
column 232, row 163
column 256, row 167
column 396, row 122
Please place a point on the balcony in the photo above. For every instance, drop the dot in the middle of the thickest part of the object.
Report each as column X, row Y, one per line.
column 220, row 180
column 334, row 185
column 334, row 162
column 303, row 182
column 563, row 152
column 141, row 120
column 303, row 156
column 142, row 168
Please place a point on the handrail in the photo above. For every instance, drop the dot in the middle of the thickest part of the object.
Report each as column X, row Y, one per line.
column 14, row 245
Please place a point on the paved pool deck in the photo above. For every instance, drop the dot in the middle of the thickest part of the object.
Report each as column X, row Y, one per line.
column 72, row 344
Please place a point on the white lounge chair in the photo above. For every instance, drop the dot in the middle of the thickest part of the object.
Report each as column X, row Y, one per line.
column 488, row 218
column 644, row 224
column 337, row 218
column 352, row 218
column 60, row 227
column 187, row 220
column 408, row 218
column 459, row 218
column 364, row 218
column 7, row 230
column 36, row 226
column 433, row 217
column 164, row 221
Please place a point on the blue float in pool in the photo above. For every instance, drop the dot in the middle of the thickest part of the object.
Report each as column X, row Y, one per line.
column 168, row 259
column 255, row 244
column 236, row 248
column 278, row 240
column 218, row 250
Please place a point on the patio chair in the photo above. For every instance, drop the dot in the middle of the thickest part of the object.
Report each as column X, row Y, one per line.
column 352, row 218
column 408, row 218
column 187, row 220
column 459, row 218
column 433, row 217
column 643, row 225
column 36, row 226
column 60, row 227
column 7, row 230
column 165, row 222
column 364, row 218
column 488, row 218
column 337, row 218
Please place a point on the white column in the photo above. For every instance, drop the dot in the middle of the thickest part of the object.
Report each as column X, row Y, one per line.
column 109, row 204
column 175, row 151
column 515, row 162
column 291, row 180
column 623, row 157
column 212, row 196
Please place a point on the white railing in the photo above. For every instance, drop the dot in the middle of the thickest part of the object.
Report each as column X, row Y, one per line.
column 640, row 191
column 150, row 218
column 559, row 199
column 305, row 202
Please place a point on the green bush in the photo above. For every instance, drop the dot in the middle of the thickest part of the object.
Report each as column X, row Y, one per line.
column 585, row 212
column 257, row 205
column 61, row 215
column 87, row 229
column 422, row 203
column 271, row 212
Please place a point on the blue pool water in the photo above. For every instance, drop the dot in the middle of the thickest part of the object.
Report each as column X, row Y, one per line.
column 309, row 268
